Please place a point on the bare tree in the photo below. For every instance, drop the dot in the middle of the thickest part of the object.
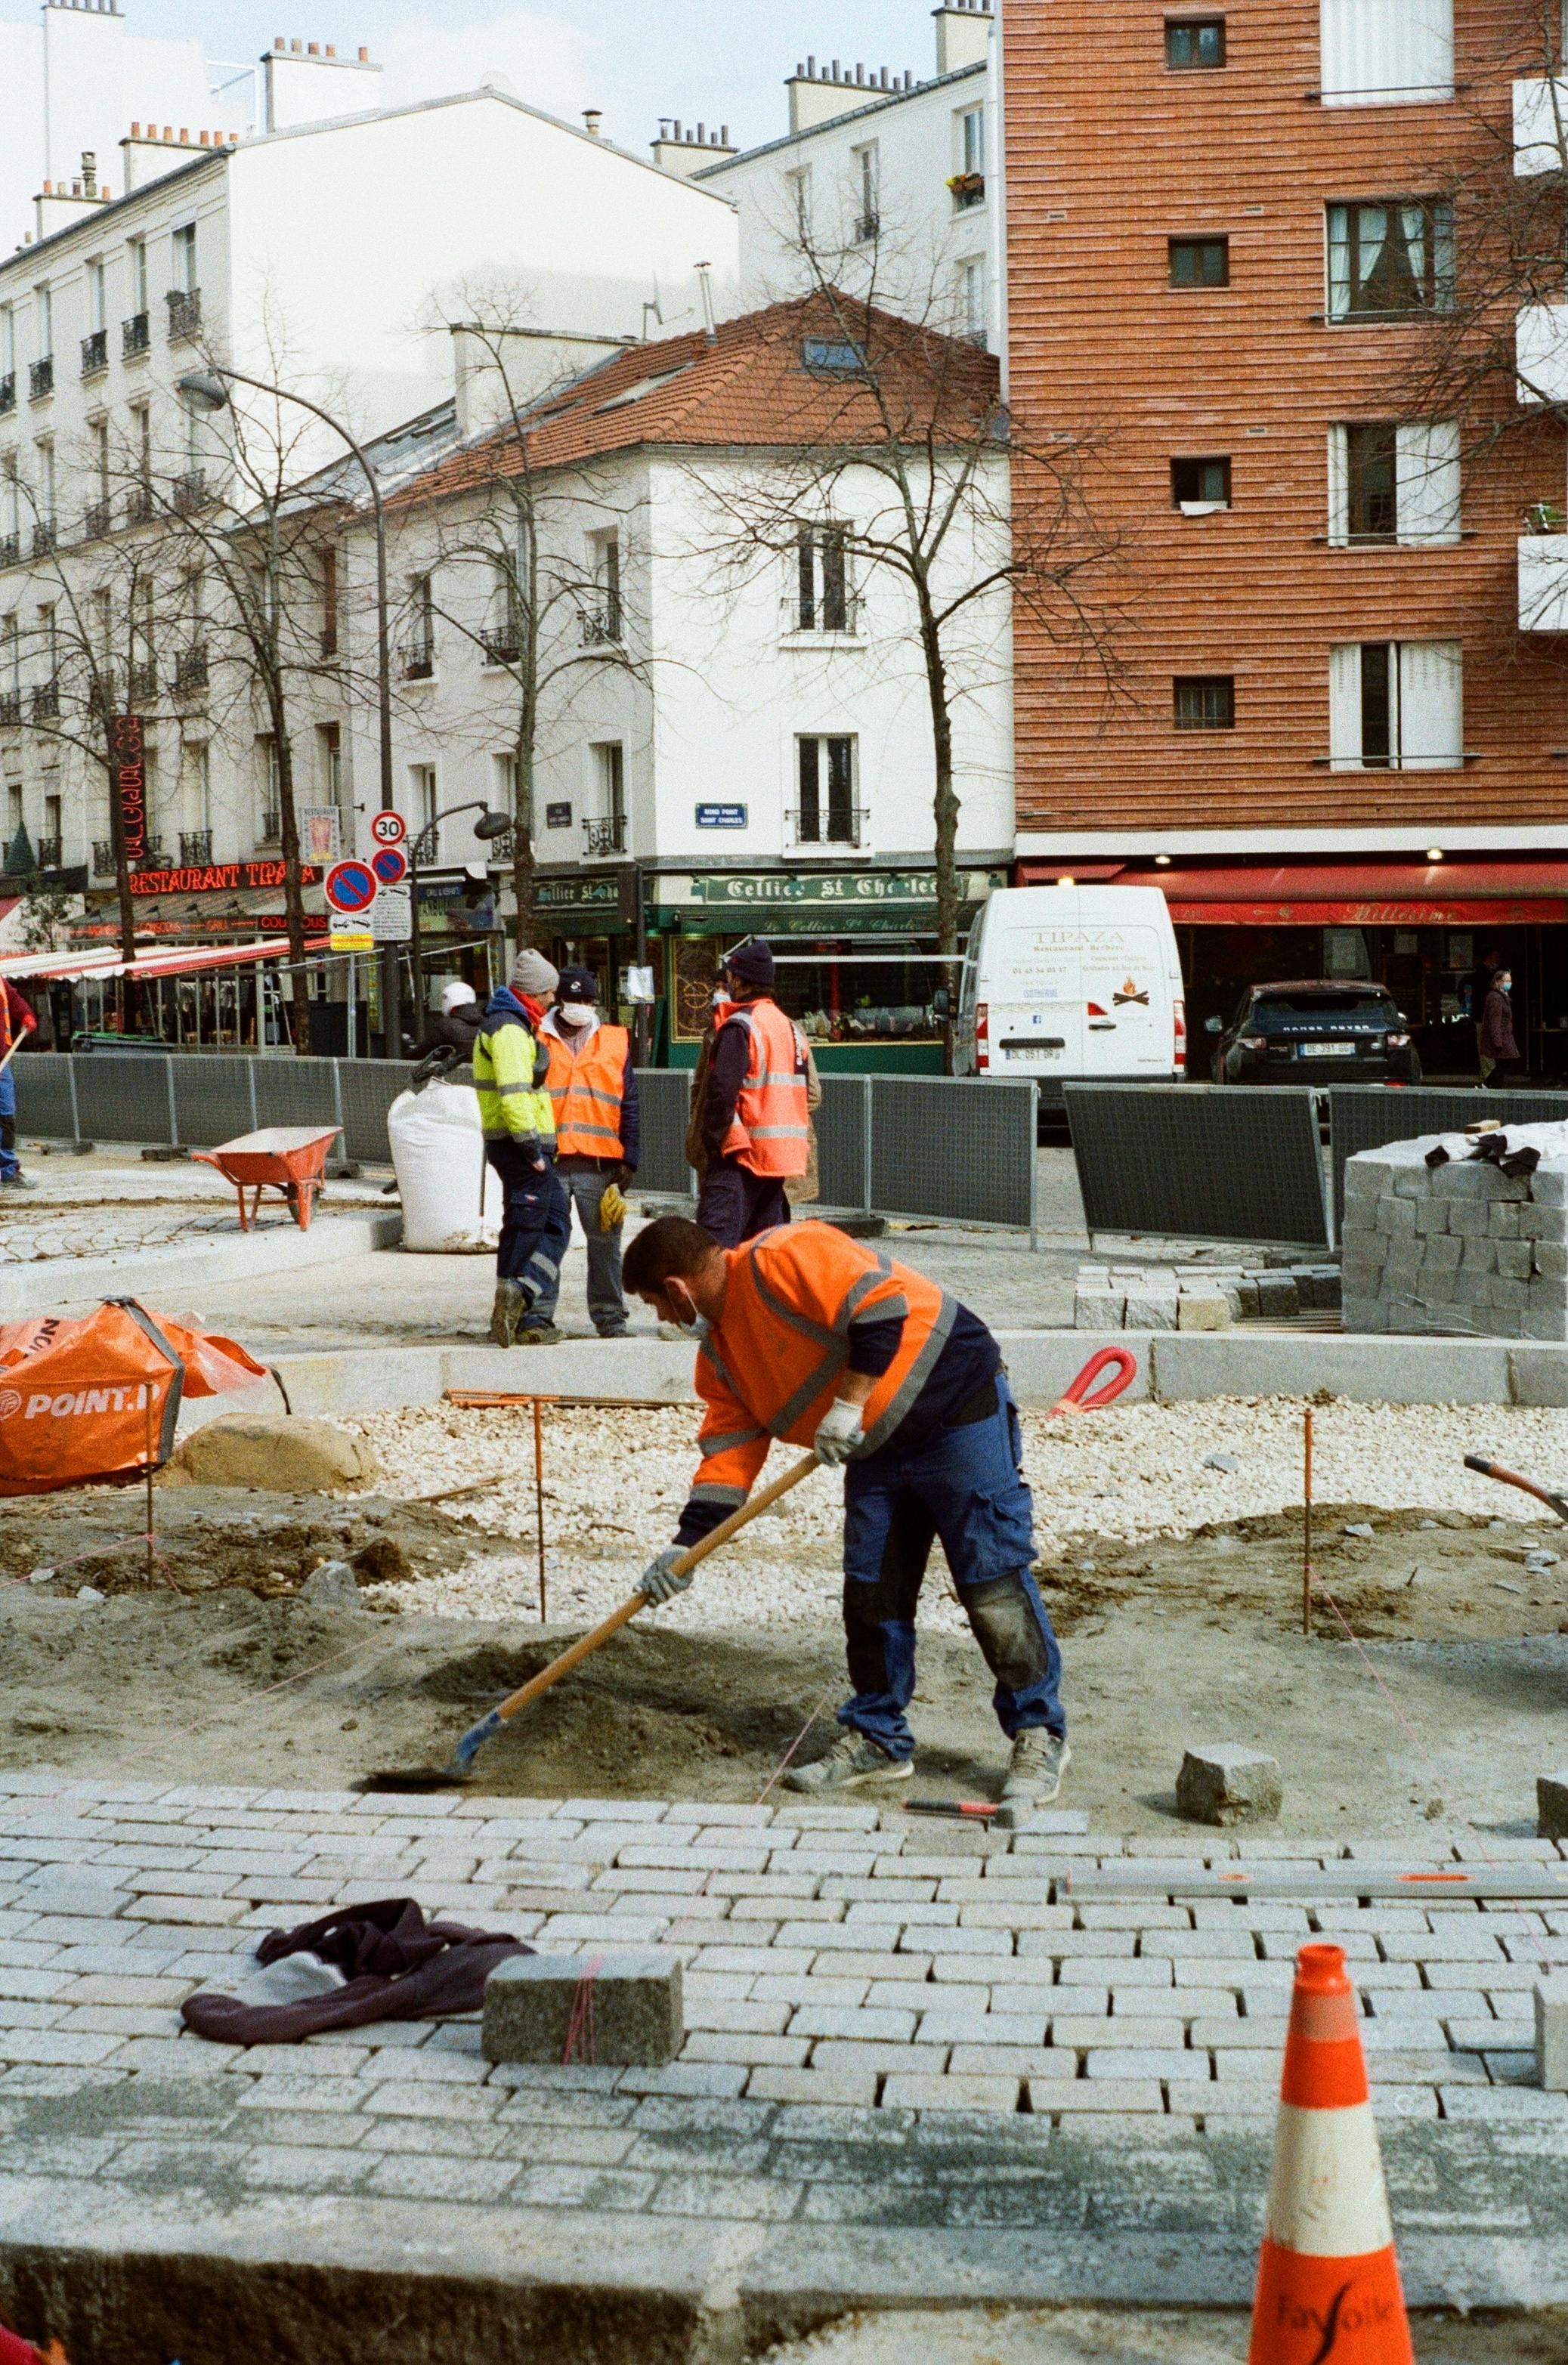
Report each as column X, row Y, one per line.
column 525, row 559
column 893, row 445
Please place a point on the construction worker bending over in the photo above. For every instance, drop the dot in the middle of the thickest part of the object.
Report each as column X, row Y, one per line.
column 808, row 1335
column 756, row 1127
column 511, row 1065
column 599, row 1137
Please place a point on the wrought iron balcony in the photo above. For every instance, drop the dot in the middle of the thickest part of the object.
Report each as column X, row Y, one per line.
column 139, row 504
column 190, row 671
column 185, row 313
column 145, row 682
column 419, row 660
column 502, row 645
column 97, row 521
column 10, row 709
column 44, row 705
column 134, row 336
column 153, row 856
column 271, row 833
column 103, row 859
column 101, row 694
column 10, row 549
column 40, row 379
column 8, row 391
column 188, row 492
column 601, row 627
column 866, row 227
column 196, row 848
column 607, row 835
column 49, row 853
column 95, row 353
column 45, row 534
column 831, row 824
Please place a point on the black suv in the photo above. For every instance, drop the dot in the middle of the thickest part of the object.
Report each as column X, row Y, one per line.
column 1314, row 1030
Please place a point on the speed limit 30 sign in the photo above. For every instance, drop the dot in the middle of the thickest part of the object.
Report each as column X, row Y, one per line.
column 388, row 828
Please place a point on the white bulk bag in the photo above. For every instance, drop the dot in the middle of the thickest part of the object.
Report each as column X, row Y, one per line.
column 452, row 1196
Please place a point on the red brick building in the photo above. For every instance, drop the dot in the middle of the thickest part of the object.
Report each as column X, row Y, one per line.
column 1338, row 752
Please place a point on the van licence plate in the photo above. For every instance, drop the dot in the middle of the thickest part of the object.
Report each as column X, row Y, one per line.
column 1329, row 1050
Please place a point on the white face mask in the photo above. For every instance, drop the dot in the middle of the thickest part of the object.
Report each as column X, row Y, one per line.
column 685, row 1313
column 578, row 1013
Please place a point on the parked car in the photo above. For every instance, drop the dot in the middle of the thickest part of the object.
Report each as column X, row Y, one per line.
column 1311, row 1028
column 1070, row 983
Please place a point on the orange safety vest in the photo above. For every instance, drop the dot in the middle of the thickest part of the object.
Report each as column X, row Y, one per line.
column 585, row 1092
column 770, row 1364
column 771, row 1131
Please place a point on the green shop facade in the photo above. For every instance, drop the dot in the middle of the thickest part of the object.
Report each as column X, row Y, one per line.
column 855, row 951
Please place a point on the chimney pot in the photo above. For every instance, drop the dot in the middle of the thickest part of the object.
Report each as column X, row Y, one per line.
column 313, row 48
column 49, row 188
column 364, row 57
column 184, row 137
column 205, row 138
column 811, row 69
column 135, row 130
column 277, row 41
column 701, row 133
column 331, row 49
column 104, row 194
column 836, row 73
column 75, row 188
column 723, row 135
column 294, row 47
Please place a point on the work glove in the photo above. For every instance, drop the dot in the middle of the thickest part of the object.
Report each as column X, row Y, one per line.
column 612, row 1208
column 659, row 1581
column 839, row 1433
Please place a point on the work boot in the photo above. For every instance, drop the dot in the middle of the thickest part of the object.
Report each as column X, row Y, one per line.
column 1033, row 1776
column 17, row 1181
column 506, row 1312
column 852, row 1759
column 538, row 1334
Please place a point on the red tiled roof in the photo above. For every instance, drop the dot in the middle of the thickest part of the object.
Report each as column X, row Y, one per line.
column 750, row 385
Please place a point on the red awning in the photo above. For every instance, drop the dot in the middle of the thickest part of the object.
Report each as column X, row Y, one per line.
column 1387, row 893
column 168, row 960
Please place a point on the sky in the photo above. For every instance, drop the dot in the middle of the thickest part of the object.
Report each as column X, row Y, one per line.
column 717, row 60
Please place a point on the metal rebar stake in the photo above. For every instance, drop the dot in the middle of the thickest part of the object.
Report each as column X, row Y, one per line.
column 538, row 1503
column 1306, row 1525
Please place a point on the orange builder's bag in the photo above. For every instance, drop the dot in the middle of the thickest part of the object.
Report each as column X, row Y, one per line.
column 97, row 1396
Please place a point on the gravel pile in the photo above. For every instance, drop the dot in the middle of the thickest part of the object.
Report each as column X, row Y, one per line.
column 615, row 1482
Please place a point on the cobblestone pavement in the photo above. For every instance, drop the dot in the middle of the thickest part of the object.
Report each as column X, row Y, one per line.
column 903, row 2026
column 103, row 1205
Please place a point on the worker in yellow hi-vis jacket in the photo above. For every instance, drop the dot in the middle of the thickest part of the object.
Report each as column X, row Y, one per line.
column 510, row 1067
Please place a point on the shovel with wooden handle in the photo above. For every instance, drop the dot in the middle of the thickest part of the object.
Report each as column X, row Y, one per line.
column 459, row 1767
column 1558, row 1503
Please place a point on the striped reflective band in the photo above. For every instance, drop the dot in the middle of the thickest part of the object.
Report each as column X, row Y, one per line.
column 1327, row 2197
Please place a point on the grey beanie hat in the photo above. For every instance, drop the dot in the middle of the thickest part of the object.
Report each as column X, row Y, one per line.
column 532, row 973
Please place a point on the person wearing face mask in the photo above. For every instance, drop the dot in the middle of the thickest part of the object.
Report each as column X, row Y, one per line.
column 511, row 1067
column 755, row 1130
column 1498, row 1049
column 809, row 1336
column 598, row 1131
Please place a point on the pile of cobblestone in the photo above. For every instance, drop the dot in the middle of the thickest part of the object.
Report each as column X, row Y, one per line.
column 1460, row 1247
column 1198, row 1297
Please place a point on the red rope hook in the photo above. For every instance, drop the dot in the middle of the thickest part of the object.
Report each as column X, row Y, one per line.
column 1077, row 1399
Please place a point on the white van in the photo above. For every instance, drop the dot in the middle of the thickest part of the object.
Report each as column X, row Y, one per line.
column 1074, row 984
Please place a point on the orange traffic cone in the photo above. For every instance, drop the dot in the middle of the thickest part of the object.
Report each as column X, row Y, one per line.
column 1328, row 2290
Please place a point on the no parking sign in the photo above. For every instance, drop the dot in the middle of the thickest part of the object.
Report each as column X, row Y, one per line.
column 390, row 865
column 351, row 887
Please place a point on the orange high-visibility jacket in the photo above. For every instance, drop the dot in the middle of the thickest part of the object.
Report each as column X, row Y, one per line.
column 771, row 1133
column 585, row 1092
column 770, row 1364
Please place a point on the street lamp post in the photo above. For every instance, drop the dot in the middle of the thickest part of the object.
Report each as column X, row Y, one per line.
column 210, row 386
column 489, row 826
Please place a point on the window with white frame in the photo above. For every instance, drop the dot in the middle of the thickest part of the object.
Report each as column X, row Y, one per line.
column 1389, row 257
column 10, row 500
column 136, row 259
column 972, row 320
column 7, row 341
column 15, row 818
column 607, row 831
column 98, row 294
column 868, row 192
column 503, row 781
column 501, row 638
column 423, row 796
column 43, row 323
column 968, row 182
column 1396, row 706
column 196, row 789
column 1391, row 483
column 825, row 774
column 46, row 485
column 820, row 601
column 184, row 280
column 604, row 618
column 799, row 187
column 1385, row 52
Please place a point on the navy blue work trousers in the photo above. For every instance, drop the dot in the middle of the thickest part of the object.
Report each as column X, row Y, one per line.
column 536, row 1222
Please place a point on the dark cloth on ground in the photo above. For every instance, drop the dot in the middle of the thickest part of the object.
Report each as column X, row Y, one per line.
column 397, row 1965
column 735, row 1205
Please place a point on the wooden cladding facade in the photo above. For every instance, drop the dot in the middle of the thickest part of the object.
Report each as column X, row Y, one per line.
column 1114, row 160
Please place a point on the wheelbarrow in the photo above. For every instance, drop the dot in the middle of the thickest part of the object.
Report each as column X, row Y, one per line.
column 288, row 1159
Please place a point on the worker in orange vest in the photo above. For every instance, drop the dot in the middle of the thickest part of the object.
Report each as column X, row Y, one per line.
column 599, row 1138
column 17, row 1019
column 755, row 1130
column 808, row 1335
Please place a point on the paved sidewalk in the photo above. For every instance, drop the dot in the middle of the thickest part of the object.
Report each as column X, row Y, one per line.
column 914, row 2065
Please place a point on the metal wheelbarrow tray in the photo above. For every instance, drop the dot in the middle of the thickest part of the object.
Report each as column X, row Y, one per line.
column 288, row 1159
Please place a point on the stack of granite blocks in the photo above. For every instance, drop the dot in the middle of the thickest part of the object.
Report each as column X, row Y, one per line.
column 1458, row 1250
column 1198, row 1297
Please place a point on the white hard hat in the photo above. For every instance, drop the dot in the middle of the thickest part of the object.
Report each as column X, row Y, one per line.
column 454, row 995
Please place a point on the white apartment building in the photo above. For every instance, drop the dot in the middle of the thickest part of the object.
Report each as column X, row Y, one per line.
column 744, row 730
column 882, row 173
column 340, row 259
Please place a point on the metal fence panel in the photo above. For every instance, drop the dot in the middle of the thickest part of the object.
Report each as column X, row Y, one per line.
column 955, row 1148
column 295, row 1092
column 1363, row 1117
column 122, row 1095
column 369, row 1087
column 43, row 1096
column 664, row 1095
column 212, row 1099
column 843, row 1142
column 1241, row 1162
